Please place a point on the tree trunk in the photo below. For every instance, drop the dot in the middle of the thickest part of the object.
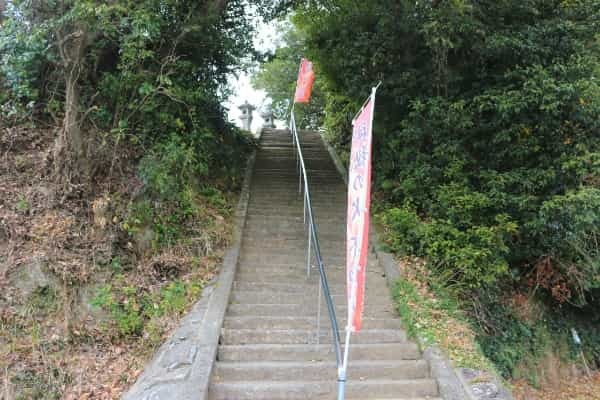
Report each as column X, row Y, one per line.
column 71, row 165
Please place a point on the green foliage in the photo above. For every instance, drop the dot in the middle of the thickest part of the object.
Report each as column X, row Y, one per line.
column 43, row 300
column 277, row 76
column 433, row 319
column 174, row 216
column 132, row 310
column 518, row 342
column 488, row 111
column 123, row 306
column 22, row 54
column 403, row 230
column 169, row 167
column 517, row 345
column 472, row 258
column 22, row 204
column 466, row 259
column 35, row 385
column 485, row 142
column 149, row 78
column 568, row 228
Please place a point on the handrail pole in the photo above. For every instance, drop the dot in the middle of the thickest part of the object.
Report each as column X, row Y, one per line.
column 304, row 205
column 314, row 241
column 308, row 255
column 327, row 294
column 319, row 312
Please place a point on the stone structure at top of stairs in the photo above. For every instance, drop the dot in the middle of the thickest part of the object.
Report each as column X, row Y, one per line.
column 273, row 343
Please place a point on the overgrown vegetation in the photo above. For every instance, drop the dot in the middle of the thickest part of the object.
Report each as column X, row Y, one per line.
column 486, row 151
column 433, row 315
column 118, row 176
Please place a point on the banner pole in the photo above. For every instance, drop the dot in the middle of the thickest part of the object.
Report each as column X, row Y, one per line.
column 373, row 91
column 342, row 372
column 343, row 369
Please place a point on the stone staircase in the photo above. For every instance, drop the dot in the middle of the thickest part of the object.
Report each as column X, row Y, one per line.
column 270, row 346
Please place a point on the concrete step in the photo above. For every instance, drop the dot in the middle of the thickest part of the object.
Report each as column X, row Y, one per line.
column 298, row 262
column 294, row 322
column 288, row 165
column 307, row 310
column 278, row 274
column 304, row 336
column 296, row 217
column 323, row 390
column 295, row 213
column 267, row 297
column 280, row 167
column 290, row 182
column 278, row 176
column 372, row 265
column 289, row 222
column 306, row 288
column 330, row 235
column 321, row 352
column 293, row 256
column 287, row 175
column 316, row 371
column 295, row 223
column 265, row 196
column 289, row 203
column 276, row 244
column 293, row 253
column 293, row 207
column 315, row 161
column 313, row 280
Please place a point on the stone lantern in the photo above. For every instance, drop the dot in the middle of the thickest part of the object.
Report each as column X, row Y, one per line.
column 246, row 116
column 267, row 116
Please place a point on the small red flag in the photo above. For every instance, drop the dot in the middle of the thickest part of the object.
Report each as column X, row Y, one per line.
column 306, row 78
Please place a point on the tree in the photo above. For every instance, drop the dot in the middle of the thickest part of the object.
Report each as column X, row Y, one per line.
column 277, row 77
column 487, row 141
column 117, row 63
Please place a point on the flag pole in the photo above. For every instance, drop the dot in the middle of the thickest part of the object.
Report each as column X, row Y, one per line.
column 343, row 369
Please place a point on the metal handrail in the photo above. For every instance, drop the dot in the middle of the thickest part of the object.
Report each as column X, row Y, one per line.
column 313, row 240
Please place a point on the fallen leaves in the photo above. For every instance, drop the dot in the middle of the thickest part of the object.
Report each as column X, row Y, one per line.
column 584, row 388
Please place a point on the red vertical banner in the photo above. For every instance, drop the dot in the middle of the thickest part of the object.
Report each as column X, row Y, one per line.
column 359, row 202
column 306, row 78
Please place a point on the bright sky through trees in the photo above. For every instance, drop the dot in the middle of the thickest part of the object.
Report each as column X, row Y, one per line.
column 265, row 40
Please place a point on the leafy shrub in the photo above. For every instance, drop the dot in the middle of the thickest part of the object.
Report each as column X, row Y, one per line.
column 515, row 343
column 471, row 258
column 22, row 58
column 124, row 308
column 170, row 167
column 465, row 258
column 132, row 310
column 403, row 231
column 435, row 317
column 568, row 228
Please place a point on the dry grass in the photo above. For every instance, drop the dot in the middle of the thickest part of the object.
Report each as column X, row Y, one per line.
column 436, row 318
column 584, row 388
column 53, row 344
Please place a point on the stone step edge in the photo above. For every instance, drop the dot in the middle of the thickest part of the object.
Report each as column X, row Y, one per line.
column 320, row 386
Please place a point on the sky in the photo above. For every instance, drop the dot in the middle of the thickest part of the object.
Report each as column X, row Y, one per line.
column 266, row 39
